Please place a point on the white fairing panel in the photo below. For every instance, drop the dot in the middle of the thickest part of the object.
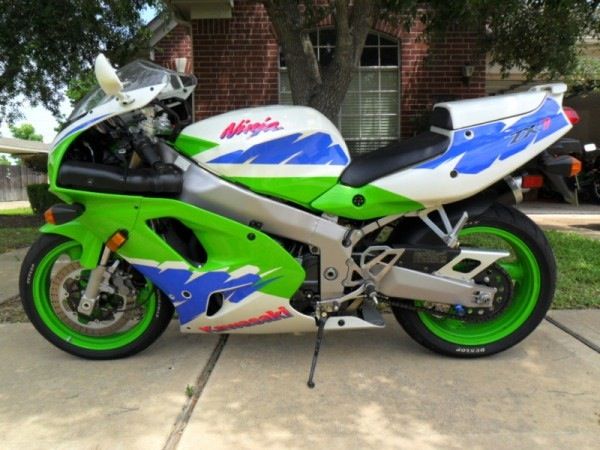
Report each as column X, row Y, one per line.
column 137, row 99
column 480, row 155
column 466, row 113
column 271, row 141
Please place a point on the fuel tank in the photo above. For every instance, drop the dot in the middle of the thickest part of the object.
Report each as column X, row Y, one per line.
column 290, row 152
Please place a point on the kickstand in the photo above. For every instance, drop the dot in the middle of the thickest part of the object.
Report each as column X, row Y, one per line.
column 310, row 383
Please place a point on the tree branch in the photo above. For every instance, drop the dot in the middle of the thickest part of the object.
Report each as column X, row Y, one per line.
column 352, row 26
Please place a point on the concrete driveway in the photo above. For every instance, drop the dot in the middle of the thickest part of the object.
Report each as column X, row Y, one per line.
column 375, row 389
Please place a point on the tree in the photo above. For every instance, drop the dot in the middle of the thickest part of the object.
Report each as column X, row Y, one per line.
column 25, row 131
column 44, row 44
column 585, row 77
column 4, row 160
column 38, row 161
column 531, row 35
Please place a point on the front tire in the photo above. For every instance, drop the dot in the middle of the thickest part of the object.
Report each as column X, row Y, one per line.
column 56, row 320
column 532, row 271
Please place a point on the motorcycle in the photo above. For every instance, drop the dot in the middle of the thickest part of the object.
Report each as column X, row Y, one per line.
column 588, row 182
column 556, row 169
column 258, row 221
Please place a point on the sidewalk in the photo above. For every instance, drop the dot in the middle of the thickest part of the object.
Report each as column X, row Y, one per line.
column 583, row 219
column 374, row 389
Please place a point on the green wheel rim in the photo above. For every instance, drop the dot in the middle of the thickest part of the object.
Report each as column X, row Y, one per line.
column 41, row 301
column 525, row 273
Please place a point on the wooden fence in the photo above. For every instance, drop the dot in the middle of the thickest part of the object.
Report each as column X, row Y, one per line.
column 14, row 181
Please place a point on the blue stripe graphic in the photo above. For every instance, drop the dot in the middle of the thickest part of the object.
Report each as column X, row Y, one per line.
column 317, row 148
column 191, row 298
column 83, row 125
column 492, row 142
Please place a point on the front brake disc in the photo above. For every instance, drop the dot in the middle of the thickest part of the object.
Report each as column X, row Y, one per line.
column 65, row 292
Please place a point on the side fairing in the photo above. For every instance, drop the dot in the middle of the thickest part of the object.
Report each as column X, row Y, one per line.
column 290, row 152
column 252, row 275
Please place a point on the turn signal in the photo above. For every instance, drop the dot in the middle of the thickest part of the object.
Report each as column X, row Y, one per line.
column 575, row 167
column 532, row 181
column 49, row 216
column 117, row 240
column 571, row 115
column 61, row 213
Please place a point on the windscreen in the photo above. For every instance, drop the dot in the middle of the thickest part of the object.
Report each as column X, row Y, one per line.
column 136, row 75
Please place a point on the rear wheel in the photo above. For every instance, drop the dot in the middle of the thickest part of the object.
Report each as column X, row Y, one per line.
column 128, row 317
column 525, row 281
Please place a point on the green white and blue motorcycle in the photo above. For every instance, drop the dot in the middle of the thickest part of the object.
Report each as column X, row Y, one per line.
column 259, row 221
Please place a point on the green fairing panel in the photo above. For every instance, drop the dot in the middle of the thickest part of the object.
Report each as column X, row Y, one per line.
column 300, row 190
column 228, row 244
column 104, row 214
column 190, row 146
column 340, row 201
column 54, row 159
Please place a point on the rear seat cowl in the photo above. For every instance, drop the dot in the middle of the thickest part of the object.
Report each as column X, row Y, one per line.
column 468, row 113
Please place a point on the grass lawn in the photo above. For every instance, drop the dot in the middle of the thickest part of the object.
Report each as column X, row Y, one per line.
column 18, row 228
column 578, row 260
column 17, row 211
column 13, row 238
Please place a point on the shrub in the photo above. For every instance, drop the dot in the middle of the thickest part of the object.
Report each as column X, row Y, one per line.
column 38, row 162
column 40, row 198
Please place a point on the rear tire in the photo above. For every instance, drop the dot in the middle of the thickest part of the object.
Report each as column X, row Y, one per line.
column 34, row 285
column 533, row 274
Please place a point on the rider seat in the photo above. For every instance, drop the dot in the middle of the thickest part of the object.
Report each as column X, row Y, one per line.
column 394, row 157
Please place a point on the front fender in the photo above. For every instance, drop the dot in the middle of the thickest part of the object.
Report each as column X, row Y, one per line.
column 91, row 245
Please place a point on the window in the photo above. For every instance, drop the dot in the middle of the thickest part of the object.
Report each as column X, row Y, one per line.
column 370, row 114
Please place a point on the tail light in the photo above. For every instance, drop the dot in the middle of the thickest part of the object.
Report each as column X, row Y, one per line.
column 571, row 115
column 532, row 181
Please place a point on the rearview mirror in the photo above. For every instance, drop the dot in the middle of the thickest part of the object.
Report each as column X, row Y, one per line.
column 107, row 76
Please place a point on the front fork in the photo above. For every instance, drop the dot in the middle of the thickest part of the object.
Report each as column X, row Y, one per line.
column 97, row 277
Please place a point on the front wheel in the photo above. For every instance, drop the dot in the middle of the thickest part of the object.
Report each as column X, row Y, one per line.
column 128, row 317
column 526, row 281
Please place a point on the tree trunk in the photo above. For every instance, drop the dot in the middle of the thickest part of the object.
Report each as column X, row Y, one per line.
column 322, row 88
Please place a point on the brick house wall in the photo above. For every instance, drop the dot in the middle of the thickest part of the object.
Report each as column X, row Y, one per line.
column 237, row 64
column 235, row 60
column 176, row 44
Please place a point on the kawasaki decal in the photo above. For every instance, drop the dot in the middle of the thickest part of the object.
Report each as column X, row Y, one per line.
column 266, row 317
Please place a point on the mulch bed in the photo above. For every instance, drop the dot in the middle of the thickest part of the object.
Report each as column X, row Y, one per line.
column 20, row 221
